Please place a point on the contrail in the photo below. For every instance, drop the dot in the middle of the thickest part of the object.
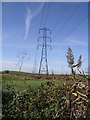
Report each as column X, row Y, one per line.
column 27, row 22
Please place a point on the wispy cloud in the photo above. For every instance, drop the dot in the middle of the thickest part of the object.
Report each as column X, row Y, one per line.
column 74, row 42
column 27, row 22
column 11, row 65
column 20, row 46
column 29, row 16
column 71, row 43
column 28, row 67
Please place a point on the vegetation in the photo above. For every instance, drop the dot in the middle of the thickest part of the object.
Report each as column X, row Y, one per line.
column 49, row 102
column 70, row 60
column 48, row 99
column 22, row 83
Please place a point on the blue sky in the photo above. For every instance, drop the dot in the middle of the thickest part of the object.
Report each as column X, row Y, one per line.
column 21, row 22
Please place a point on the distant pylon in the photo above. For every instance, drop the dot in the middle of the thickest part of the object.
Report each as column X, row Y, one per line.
column 43, row 68
column 35, row 66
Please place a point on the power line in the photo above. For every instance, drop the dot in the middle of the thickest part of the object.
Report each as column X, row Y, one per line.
column 61, row 15
column 44, row 14
column 77, row 25
column 69, row 18
column 48, row 15
column 74, row 28
column 47, row 6
column 42, row 17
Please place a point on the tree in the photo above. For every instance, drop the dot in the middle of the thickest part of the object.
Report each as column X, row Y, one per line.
column 21, row 56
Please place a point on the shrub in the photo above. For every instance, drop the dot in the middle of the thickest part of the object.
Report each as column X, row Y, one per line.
column 48, row 102
column 6, row 71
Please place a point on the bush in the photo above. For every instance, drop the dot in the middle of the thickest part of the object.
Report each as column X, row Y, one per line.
column 6, row 71
column 48, row 102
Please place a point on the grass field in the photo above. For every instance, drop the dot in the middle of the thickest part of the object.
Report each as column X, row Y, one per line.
column 48, row 100
column 21, row 83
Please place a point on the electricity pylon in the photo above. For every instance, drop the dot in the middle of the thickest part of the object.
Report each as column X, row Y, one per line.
column 43, row 68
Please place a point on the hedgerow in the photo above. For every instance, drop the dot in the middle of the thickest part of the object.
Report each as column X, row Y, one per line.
column 48, row 102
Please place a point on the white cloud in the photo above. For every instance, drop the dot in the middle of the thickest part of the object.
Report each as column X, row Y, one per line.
column 29, row 16
column 21, row 46
column 71, row 43
column 74, row 42
column 11, row 65
column 27, row 22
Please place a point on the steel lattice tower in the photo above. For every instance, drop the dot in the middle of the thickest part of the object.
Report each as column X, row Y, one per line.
column 43, row 68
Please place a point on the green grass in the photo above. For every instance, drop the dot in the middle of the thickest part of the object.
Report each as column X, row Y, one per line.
column 22, row 84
